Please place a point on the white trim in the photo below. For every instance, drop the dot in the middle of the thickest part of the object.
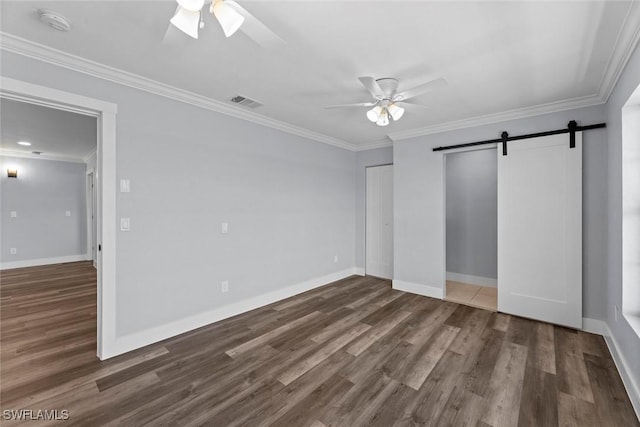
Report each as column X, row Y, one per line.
column 43, row 261
column 472, row 280
column 600, row 327
column 633, row 390
column 415, row 288
column 519, row 113
column 136, row 340
column 30, row 49
column 626, row 42
column 594, row 326
column 44, row 156
column 628, row 38
column 359, row 271
column 106, row 192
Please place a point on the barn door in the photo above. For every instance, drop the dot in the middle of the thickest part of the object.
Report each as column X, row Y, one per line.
column 540, row 229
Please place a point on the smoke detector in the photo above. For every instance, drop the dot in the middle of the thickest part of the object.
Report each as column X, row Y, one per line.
column 54, row 20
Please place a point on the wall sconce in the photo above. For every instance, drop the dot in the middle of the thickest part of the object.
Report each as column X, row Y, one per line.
column 12, row 173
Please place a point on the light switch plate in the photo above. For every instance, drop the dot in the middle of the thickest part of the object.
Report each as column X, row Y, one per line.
column 125, row 224
column 67, row 213
column 125, row 186
column 224, row 228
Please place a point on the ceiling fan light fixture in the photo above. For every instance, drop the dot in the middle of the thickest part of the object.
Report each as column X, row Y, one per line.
column 191, row 5
column 230, row 20
column 187, row 21
column 395, row 111
column 374, row 114
column 384, row 119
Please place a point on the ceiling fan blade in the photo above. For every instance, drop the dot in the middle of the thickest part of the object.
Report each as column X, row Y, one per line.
column 361, row 104
column 372, row 86
column 256, row 30
column 419, row 90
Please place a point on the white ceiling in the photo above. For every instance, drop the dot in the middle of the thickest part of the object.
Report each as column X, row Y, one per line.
column 57, row 134
column 498, row 57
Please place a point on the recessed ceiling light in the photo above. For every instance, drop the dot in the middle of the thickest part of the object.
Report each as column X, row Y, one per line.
column 25, row 143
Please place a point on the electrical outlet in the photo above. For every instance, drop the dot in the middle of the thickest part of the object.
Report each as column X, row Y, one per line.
column 13, row 251
column 14, row 214
column 224, row 286
column 67, row 213
column 616, row 312
column 224, row 228
column 335, row 258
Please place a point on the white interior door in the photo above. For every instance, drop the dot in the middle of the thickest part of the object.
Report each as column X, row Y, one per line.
column 379, row 222
column 540, row 229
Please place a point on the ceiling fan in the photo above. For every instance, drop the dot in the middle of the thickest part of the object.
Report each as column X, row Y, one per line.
column 189, row 18
column 387, row 103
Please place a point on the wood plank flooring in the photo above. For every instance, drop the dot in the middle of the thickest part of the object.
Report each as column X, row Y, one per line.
column 352, row 353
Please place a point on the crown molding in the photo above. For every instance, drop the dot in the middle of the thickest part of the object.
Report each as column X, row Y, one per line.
column 519, row 113
column 27, row 48
column 24, row 155
column 628, row 39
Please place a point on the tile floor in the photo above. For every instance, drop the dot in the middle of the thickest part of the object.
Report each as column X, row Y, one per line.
column 473, row 295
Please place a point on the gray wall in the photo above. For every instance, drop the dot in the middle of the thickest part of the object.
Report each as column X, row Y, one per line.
column 42, row 193
column 289, row 203
column 419, row 200
column 472, row 213
column 376, row 157
column 627, row 340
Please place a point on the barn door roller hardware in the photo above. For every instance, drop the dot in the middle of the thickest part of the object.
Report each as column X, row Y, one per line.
column 571, row 129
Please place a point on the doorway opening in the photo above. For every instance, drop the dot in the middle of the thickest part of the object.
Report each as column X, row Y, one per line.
column 105, row 176
column 471, row 193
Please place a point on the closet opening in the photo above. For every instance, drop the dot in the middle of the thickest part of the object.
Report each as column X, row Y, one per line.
column 471, row 193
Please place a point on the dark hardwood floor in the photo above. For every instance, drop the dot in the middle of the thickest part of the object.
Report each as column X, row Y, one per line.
column 352, row 353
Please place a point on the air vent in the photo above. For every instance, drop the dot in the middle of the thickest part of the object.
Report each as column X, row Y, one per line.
column 37, row 153
column 245, row 102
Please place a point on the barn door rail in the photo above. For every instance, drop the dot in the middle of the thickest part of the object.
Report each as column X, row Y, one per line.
column 571, row 129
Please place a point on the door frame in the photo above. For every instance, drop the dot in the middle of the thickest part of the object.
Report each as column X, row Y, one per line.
column 365, row 210
column 105, row 113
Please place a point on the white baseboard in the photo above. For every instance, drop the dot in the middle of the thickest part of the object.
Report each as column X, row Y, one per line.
column 472, row 280
column 600, row 327
column 136, row 340
column 44, row 261
column 594, row 326
column 633, row 391
column 359, row 271
column 415, row 288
